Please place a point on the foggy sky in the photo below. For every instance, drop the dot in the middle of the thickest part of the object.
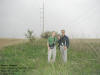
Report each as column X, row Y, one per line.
column 80, row 18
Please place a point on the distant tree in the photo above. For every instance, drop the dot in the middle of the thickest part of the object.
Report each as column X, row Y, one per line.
column 30, row 35
column 46, row 34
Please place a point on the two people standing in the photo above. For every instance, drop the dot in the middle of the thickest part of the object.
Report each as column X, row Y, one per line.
column 63, row 44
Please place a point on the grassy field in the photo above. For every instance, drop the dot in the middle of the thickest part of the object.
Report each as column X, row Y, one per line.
column 31, row 59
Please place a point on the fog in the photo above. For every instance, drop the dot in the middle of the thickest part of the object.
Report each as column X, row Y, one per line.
column 80, row 18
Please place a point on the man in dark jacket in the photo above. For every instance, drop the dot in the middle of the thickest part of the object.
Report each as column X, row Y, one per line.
column 64, row 45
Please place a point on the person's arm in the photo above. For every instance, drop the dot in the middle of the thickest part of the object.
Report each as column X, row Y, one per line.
column 67, row 42
column 56, row 40
column 65, row 47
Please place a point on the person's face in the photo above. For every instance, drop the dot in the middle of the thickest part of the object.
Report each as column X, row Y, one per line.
column 63, row 33
column 53, row 34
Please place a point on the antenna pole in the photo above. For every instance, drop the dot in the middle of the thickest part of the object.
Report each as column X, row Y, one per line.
column 43, row 14
column 42, row 21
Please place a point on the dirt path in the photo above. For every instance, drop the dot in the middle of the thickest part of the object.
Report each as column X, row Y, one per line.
column 7, row 42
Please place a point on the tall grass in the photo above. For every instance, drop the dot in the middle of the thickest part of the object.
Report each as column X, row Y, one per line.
column 83, row 58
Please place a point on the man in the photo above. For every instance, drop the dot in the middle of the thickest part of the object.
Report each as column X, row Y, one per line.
column 64, row 45
column 51, row 44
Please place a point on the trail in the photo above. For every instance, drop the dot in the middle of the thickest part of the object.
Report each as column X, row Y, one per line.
column 7, row 42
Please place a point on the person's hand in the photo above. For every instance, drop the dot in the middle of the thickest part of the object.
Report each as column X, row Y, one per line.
column 65, row 47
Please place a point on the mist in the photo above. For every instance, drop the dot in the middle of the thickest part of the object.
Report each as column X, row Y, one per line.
column 80, row 18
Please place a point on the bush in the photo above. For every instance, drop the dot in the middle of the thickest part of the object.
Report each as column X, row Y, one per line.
column 30, row 35
column 47, row 34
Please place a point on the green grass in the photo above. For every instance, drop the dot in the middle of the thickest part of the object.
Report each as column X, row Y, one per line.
column 83, row 58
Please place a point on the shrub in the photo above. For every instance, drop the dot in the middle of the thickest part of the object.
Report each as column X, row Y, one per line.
column 30, row 35
column 47, row 34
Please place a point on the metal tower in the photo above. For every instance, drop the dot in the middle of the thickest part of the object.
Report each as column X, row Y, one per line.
column 42, row 16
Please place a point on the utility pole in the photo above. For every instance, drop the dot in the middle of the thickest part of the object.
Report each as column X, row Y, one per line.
column 42, row 15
